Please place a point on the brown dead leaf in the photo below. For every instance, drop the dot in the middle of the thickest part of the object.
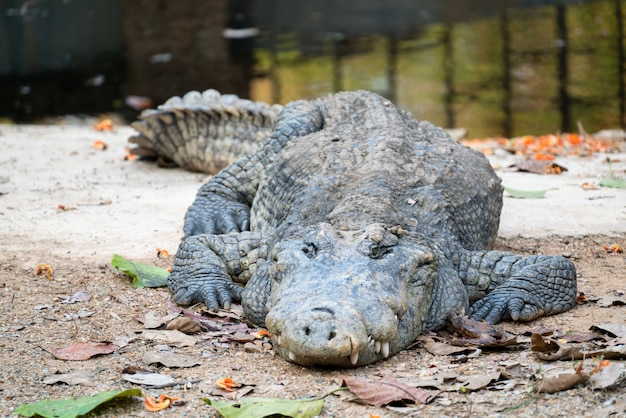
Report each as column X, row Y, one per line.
column 560, row 382
column 550, row 349
column 184, row 324
column 386, row 390
column 442, row 349
column 478, row 333
column 479, row 381
column 84, row 351
column 541, row 344
column 212, row 324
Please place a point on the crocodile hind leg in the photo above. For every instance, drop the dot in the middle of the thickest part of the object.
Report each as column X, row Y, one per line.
column 502, row 285
column 211, row 268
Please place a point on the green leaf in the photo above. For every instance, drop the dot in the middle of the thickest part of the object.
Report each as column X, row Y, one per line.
column 144, row 275
column 525, row 194
column 264, row 407
column 613, row 182
column 72, row 407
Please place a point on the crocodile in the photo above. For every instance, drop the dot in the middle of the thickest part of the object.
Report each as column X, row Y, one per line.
column 352, row 229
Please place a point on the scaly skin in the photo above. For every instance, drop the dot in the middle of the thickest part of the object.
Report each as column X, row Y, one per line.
column 362, row 229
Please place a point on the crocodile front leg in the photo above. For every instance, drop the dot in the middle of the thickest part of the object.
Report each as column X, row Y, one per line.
column 503, row 285
column 206, row 265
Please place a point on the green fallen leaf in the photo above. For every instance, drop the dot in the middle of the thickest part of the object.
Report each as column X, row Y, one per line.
column 264, row 407
column 72, row 407
column 144, row 275
column 613, row 182
column 525, row 194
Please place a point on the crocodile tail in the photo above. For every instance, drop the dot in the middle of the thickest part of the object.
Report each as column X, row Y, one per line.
column 203, row 131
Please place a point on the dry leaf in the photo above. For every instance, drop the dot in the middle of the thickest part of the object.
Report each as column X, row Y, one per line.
column 152, row 320
column 477, row 382
column 84, row 351
column 560, row 382
column 613, row 330
column 478, row 333
column 170, row 359
column 148, row 378
column 184, row 324
column 80, row 296
column 609, row 377
column 43, row 268
column 539, row 167
column 608, row 301
column 386, row 390
column 75, row 377
column 173, row 337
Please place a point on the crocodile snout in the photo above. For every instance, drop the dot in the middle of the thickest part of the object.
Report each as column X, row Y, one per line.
column 322, row 334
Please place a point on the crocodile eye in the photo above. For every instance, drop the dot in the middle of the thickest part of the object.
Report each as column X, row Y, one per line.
column 377, row 252
column 373, row 250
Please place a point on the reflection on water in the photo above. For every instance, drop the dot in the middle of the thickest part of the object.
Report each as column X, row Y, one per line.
column 527, row 70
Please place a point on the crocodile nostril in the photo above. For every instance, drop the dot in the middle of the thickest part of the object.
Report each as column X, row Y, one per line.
column 307, row 331
column 331, row 335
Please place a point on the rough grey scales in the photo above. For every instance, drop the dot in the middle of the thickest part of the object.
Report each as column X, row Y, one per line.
column 355, row 228
column 203, row 131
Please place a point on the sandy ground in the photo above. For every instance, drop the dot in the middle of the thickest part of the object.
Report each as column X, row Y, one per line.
column 131, row 208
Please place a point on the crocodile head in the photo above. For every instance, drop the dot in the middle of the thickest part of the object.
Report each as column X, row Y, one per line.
column 346, row 299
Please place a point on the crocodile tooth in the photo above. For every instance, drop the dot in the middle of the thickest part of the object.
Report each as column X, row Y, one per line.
column 376, row 346
column 292, row 356
column 354, row 357
column 278, row 340
column 385, row 349
column 369, row 338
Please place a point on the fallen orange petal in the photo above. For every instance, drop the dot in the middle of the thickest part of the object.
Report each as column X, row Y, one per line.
column 162, row 253
column 104, row 125
column 260, row 334
column 226, row 384
column 153, row 405
column 589, row 186
column 130, row 157
column 101, row 145
column 171, row 398
column 43, row 268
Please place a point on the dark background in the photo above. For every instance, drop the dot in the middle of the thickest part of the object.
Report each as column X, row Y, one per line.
column 494, row 66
